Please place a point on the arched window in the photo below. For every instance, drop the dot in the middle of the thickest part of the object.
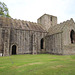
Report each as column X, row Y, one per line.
column 13, row 49
column 72, row 36
column 42, row 43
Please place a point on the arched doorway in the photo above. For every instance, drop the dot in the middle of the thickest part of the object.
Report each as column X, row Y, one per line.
column 42, row 43
column 72, row 36
column 13, row 49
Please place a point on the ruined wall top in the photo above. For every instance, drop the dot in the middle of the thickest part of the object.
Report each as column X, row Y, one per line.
column 20, row 24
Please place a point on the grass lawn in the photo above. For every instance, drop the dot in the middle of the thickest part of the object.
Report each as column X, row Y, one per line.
column 42, row 64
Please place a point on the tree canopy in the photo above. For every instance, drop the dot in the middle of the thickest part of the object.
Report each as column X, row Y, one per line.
column 4, row 10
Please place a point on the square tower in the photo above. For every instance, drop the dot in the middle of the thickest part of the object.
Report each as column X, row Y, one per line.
column 47, row 21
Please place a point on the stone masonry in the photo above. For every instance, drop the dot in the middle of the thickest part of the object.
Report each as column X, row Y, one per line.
column 45, row 36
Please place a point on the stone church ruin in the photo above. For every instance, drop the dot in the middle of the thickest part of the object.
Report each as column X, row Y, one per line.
column 45, row 36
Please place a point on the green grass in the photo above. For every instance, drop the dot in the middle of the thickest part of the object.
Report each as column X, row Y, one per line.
column 43, row 64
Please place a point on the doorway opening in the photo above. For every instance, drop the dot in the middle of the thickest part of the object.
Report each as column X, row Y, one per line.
column 42, row 43
column 14, row 50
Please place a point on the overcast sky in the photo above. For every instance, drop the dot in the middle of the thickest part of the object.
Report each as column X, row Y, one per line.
column 31, row 10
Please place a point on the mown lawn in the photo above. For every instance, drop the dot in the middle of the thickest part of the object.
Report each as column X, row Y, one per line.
column 43, row 64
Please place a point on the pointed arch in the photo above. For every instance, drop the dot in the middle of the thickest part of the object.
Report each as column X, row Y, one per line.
column 14, row 49
column 72, row 36
column 42, row 43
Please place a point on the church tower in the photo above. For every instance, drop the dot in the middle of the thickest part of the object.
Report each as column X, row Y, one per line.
column 47, row 21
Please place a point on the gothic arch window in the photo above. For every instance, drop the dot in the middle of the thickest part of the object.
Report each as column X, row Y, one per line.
column 72, row 36
column 42, row 43
column 14, row 49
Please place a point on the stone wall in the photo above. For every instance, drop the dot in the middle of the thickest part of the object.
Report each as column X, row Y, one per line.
column 1, row 41
column 54, row 43
column 4, row 41
column 26, row 41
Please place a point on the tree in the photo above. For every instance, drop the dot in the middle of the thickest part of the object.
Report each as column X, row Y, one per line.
column 4, row 10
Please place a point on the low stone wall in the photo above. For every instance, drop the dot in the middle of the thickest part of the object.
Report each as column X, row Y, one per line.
column 69, row 49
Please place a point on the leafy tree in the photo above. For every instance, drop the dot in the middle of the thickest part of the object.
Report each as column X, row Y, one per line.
column 4, row 10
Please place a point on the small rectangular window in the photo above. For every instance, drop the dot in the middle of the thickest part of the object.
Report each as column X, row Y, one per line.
column 51, row 18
